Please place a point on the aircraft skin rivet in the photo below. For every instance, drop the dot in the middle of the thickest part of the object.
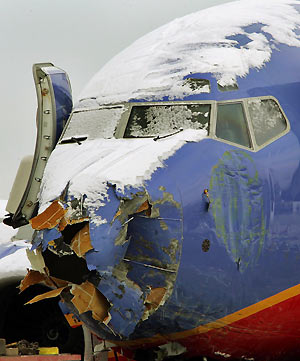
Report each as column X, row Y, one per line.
column 205, row 245
column 30, row 204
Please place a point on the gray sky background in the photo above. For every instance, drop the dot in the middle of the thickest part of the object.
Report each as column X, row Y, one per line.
column 75, row 35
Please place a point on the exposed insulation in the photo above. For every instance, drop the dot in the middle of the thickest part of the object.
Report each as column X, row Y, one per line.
column 81, row 243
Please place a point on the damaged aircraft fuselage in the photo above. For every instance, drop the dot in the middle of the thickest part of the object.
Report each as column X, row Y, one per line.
column 169, row 212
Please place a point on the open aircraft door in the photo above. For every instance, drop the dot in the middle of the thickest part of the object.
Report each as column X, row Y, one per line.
column 54, row 107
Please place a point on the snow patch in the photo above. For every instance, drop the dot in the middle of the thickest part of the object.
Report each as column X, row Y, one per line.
column 13, row 258
column 154, row 66
column 89, row 167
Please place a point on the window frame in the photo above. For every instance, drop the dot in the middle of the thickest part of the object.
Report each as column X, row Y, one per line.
column 120, row 130
column 273, row 139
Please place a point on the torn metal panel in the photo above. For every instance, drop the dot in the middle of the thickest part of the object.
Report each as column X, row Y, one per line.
column 109, row 239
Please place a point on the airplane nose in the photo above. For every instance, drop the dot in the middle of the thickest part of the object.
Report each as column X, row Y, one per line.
column 127, row 249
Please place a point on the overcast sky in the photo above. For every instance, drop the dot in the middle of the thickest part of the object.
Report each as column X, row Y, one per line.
column 76, row 35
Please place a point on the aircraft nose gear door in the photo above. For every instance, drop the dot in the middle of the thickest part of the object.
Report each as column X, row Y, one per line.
column 54, row 107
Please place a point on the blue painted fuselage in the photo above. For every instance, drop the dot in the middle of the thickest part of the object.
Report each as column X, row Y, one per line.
column 252, row 220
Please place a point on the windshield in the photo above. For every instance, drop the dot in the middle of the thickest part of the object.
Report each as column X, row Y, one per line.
column 155, row 120
column 97, row 123
column 267, row 119
column 232, row 124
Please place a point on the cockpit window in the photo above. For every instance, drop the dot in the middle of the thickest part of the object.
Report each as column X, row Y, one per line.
column 154, row 120
column 267, row 119
column 96, row 123
column 232, row 124
column 250, row 123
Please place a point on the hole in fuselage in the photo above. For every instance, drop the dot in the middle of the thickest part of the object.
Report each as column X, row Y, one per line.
column 69, row 267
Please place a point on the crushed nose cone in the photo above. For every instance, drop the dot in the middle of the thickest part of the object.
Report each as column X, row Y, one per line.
column 128, row 248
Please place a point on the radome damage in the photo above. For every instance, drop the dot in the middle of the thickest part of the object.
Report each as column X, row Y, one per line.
column 123, row 257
